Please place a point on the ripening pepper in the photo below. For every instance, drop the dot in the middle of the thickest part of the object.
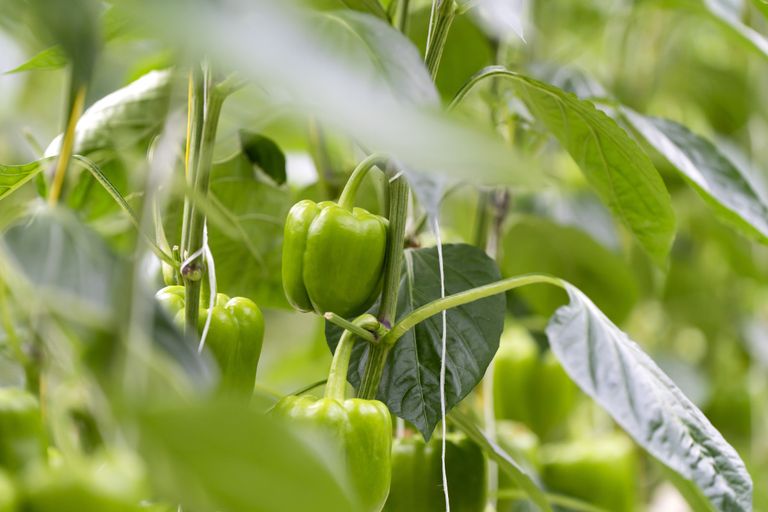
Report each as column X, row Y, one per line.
column 22, row 438
column 333, row 257
column 234, row 337
column 601, row 471
column 107, row 482
column 531, row 386
column 417, row 481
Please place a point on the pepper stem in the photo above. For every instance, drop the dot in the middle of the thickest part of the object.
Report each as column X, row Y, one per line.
column 336, row 385
column 347, row 198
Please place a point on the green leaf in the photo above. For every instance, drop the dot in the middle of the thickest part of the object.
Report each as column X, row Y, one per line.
column 614, row 164
column 410, row 384
column 50, row 58
column 221, row 456
column 369, row 6
column 719, row 181
column 727, row 14
column 383, row 51
column 263, row 152
column 535, row 245
column 248, row 253
column 13, row 177
column 69, row 267
column 514, row 469
column 621, row 378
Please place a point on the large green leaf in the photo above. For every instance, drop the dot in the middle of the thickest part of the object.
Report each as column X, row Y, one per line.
column 220, row 456
column 619, row 376
column 248, row 254
column 719, row 181
column 13, row 177
column 614, row 164
column 534, row 245
column 410, row 385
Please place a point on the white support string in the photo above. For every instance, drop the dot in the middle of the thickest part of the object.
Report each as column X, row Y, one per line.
column 436, row 229
column 205, row 251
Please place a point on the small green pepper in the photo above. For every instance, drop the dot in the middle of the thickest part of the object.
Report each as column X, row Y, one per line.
column 601, row 471
column 417, row 481
column 530, row 386
column 22, row 439
column 234, row 337
column 361, row 429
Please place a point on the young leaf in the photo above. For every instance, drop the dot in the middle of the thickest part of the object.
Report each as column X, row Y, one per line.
column 263, row 152
column 615, row 165
column 410, row 384
column 619, row 376
column 719, row 181
column 50, row 58
column 13, row 177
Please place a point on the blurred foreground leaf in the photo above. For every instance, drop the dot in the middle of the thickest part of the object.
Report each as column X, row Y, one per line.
column 226, row 457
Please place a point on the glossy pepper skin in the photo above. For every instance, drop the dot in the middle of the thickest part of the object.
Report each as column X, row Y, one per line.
column 234, row 337
column 333, row 257
column 363, row 430
column 417, row 482
column 600, row 471
column 22, row 438
column 530, row 386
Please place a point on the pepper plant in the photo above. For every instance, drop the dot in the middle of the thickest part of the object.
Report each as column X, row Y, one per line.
column 477, row 206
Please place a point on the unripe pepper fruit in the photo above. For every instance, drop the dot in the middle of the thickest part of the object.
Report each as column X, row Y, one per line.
column 417, row 482
column 235, row 335
column 333, row 254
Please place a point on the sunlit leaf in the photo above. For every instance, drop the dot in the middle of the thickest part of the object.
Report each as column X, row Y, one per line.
column 619, row 376
column 13, row 177
column 718, row 180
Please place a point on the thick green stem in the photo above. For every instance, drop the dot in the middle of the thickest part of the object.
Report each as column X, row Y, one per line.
column 193, row 270
column 374, row 369
column 337, row 377
column 444, row 15
column 347, row 198
column 465, row 297
column 398, row 210
column 196, row 113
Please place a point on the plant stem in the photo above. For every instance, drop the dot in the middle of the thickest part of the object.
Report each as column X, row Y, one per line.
column 482, row 218
column 337, row 377
column 347, row 198
column 398, row 210
column 444, row 15
column 67, row 145
column 465, row 297
column 195, row 116
column 192, row 272
column 349, row 326
column 374, row 369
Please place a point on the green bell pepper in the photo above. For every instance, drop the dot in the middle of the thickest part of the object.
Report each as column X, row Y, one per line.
column 234, row 337
column 601, row 471
column 22, row 437
column 529, row 386
column 8, row 495
column 333, row 257
column 108, row 482
column 361, row 429
column 333, row 254
column 417, row 482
